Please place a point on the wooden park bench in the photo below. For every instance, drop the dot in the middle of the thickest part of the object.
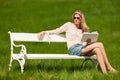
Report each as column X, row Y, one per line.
column 32, row 37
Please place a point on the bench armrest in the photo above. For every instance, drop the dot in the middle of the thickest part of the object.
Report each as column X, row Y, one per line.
column 23, row 48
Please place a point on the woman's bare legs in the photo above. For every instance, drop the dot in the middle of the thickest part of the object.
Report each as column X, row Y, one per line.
column 98, row 49
column 109, row 67
column 100, row 59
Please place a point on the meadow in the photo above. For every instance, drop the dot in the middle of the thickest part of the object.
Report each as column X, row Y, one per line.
column 38, row 15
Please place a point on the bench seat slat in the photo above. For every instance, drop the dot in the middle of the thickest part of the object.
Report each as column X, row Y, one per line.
column 52, row 56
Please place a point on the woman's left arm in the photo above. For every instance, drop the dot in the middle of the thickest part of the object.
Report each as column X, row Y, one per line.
column 88, row 41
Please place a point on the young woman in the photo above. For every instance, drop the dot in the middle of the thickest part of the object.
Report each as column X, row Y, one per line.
column 74, row 31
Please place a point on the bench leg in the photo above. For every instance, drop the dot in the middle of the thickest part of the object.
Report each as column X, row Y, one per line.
column 21, row 62
column 10, row 65
column 94, row 61
column 20, row 59
column 83, row 63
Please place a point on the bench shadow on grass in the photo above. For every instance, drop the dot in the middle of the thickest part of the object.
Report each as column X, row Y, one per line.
column 59, row 67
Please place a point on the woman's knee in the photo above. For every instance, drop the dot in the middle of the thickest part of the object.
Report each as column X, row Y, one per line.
column 96, row 50
column 100, row 44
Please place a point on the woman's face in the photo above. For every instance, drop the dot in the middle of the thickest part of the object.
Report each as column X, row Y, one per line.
column 77, row 19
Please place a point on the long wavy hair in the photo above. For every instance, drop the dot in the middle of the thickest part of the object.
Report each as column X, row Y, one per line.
column 83, row 24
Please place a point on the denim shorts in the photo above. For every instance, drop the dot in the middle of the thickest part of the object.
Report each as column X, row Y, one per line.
column 76, row 49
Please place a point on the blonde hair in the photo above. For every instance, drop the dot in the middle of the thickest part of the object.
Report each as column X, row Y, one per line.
column 83, row 24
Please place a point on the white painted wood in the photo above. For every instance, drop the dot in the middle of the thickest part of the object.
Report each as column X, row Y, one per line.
column 52, row 56
column 32, row 37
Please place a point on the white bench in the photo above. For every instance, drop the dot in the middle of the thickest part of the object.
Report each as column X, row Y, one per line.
column 32, row 37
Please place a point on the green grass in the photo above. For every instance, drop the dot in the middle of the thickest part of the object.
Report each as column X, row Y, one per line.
column 38, row 15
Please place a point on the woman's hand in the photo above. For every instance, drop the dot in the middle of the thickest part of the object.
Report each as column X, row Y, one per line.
column 41, row 34
column 88, row 41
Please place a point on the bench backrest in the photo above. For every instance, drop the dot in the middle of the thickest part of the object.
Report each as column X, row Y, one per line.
column 32, row 37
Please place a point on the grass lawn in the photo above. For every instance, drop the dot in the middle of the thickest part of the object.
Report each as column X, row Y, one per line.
column 38, row 15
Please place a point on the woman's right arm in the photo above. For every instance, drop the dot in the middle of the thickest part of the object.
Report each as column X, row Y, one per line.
column 41, row 34
column 61, row 29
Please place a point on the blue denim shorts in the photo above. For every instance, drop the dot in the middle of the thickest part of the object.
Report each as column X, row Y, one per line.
column 76, row 49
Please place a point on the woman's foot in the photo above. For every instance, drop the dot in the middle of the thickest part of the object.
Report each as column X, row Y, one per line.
column 112, row 71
